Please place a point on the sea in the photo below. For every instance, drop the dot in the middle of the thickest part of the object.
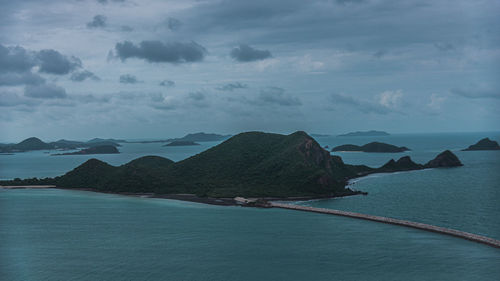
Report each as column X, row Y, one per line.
column 50, row 234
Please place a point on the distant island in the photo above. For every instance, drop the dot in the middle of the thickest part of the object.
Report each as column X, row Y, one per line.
column 196, row 137
column 371, row 133
column 34, row 143
column 181, row 143
column 371, row 147
column 251, row 164
column 484, row 144
column 102, row 149
column 201, row 137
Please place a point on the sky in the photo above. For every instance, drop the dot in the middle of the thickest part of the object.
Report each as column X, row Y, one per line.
column 79, row 69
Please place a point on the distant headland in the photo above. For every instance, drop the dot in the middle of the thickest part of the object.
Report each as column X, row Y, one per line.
column 371, row 133
column 196, row 137
column 252, row 164
column 484, row 144
column 371, row 147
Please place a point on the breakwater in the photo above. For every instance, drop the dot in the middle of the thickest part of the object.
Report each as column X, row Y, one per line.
column 422, row 226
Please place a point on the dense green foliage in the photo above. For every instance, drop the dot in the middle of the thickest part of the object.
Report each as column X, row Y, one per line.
column 251, row 164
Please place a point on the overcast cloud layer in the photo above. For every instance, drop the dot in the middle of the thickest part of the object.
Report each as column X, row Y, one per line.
column 153, row 68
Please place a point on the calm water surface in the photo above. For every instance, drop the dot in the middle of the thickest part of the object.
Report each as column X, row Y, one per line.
column 76, row 235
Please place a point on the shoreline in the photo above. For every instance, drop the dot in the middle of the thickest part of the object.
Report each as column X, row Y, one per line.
column 221, row 201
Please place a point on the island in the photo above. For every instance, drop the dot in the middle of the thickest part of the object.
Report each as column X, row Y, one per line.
column 484, row 144
column 102, row 149
column 33, row 143
column 371, row 147
column 251, row 164
column 26, row 145
column 181, row 143
column 201, row 137
column 196, row 137
column 371, row 133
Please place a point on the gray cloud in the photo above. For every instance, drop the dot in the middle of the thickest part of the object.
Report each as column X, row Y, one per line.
column 83, row 75
column 476, row 93
column 157, row 51
column 98, row 21
column 45, row 91
column 53, row 62
column 104, row 2
column 173, row 24
column 126, row 28
column 380, row 53
column 344, row 2
column 444, row 46
column 89, row 98
column 10, row 99
column 361, row 105
column 23, row 78
column 245, row 53
column 232, row 86
column 197, row 96
column 167, row 83
column 276, row 95
column 128, row 79
column 16, row 59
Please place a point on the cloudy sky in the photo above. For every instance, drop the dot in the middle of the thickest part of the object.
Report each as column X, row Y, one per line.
column 80, row 69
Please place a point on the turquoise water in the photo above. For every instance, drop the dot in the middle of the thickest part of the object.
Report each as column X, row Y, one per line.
column 76, row 235
column 41, row 164
column 465, row 198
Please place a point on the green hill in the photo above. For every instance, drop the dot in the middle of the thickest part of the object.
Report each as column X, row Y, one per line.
column 251, row 164
column 27, row 145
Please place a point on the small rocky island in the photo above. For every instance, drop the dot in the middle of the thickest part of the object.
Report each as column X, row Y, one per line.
column 102, row 149
column 251, row 165
column 371, row 147
column 181, row 143
column 484, row 144
column 371, row 133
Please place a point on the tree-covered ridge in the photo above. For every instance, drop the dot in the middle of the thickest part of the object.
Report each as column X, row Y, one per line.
column 252, row 164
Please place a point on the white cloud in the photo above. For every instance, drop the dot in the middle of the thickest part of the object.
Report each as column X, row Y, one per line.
column 391, row 99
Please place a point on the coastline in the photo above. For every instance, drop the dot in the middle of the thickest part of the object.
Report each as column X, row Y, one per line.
column 222, row 201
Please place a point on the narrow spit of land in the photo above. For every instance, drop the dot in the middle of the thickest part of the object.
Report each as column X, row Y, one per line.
column 422, row 226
